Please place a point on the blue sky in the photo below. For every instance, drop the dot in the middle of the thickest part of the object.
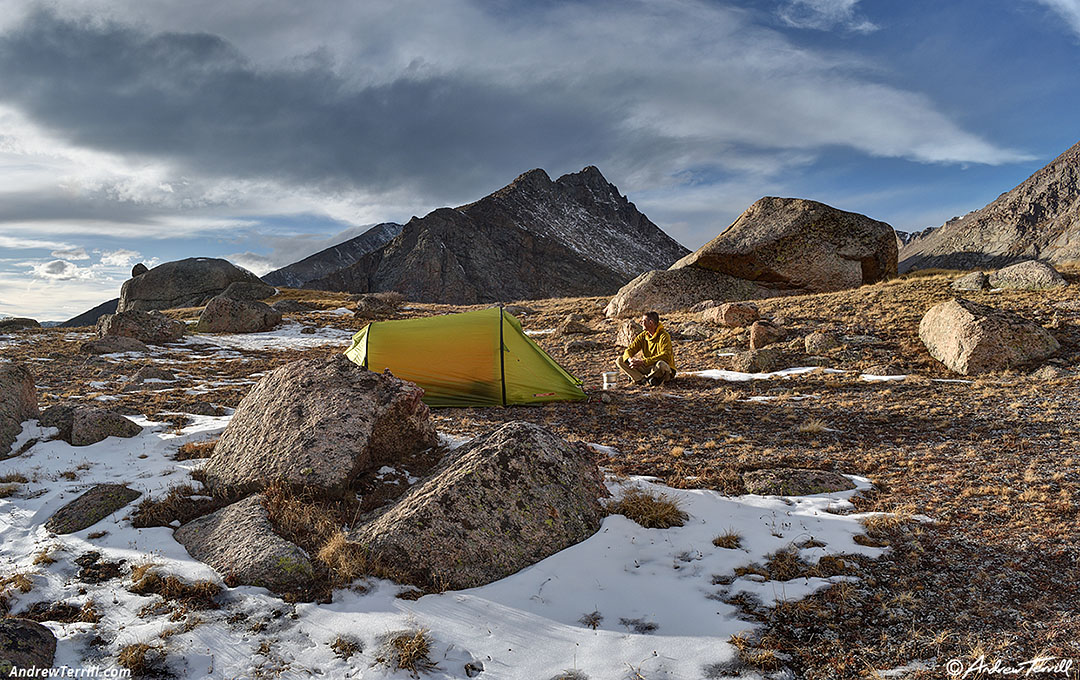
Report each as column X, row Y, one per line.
column 265, row 131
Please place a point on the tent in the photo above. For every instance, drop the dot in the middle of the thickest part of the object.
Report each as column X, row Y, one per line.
column 456, row 358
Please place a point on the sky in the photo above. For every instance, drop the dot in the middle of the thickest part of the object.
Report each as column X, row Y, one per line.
column 262, row 132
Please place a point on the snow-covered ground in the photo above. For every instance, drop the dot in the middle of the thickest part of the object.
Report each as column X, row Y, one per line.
column 657, row 610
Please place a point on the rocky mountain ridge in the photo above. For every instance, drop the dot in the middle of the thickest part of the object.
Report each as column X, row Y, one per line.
column 330, row 260
column 533, row 238
column 1038, row 219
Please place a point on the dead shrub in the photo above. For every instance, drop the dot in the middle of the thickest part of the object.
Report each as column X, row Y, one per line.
column 652, row 511
column 345, row 646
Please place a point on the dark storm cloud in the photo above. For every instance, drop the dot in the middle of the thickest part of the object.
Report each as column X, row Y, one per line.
column 195, row 100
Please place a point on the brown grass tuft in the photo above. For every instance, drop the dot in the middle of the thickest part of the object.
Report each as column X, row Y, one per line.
column 408, row 650
column 730, row 539
column 198, row 595
column 177, row 505
column 195, row 450
column 649, row 510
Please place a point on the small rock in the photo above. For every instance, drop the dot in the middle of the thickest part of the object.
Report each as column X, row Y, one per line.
column 138, row 270
column 794, row 482
column 571, row 326
column 92, row 425
column 227, row 315
column 113, row 344
column 90, row 508
column 239, row 542
column 819, row 341
column 149, row 327
column 288, row 306
column 202, row 408
column 764, row 333
column 764, row 360
column 1049, row 373
column 582, row 346
column 519, row 310
column 972, row 281
column 732, row 314
column 628, row 330
column 152, row 373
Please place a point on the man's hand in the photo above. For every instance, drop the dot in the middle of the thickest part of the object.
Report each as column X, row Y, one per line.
column 637, row 364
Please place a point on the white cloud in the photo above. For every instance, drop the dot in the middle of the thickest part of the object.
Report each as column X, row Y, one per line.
column 17, row 242
column 59, row 270
column 118, row 258
column 71, row 254
column 254, row 262
column 825, row 15
column 1069, row 10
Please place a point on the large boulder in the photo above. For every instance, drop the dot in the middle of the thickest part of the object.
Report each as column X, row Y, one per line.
column 1029, row 275
column 504, row 501
column 25, row 644
column 184, row 283
column 147, row 327
column 794, row 243
column 971, row 338
column 18, row 402
column 764, row 333
column 318, row 423
column 239, row 542
column 228, row 315
column 90, row 508
column 669, row 290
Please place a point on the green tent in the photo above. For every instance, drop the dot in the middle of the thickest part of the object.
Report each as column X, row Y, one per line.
column 456, row 359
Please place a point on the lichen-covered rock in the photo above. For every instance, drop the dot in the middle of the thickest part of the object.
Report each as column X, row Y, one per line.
column 148, row 327
column 669, row 290
column 25, row 644
column 764, row 333
column 248, row 290
column 239, row 542
column 318, row 423
column 92, row 425
column 572, row 327
column 226, row 315
column 972, row 281
column 794, row 482
column 182, row 283
column 90, row 508
column 820, row 341
column 732, row 314
column 18, row 402
column 971, row 338
column 1029, row 275
column 113, row 344
column 504, row 501
column 794, row 243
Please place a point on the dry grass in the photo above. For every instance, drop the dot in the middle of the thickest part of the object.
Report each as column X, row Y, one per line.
column 346, row 646
column 195, row 450
column 182, row 503
column 407, row 650
column 813, row 426
column 145, row 580
column 649, row 510
column 730, row 540
column 142, row 660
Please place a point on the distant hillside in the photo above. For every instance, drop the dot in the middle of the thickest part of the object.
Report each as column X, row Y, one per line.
column 90, row 317
column 333, row 258
column 534, row 238
column 1040, row 219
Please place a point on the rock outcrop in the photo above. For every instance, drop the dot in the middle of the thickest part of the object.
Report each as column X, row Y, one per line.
column 318, row 423
column 971, row 338
column 149, row 327
column 227, row 315
column 1028, row 275
column 184, row 283
column 18, row 402
column 239, row 542
column 17, row 323
column 1039, row 219
column 797, row 244
column 670, row 290
column 85, row 425
column 575, row 236
column 90, row 508
column 504, row 501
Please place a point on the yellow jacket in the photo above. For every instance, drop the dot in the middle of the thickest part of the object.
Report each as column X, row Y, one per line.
column 653, row 348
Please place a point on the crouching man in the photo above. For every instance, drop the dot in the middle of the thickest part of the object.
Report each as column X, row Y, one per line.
column 657, row 363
